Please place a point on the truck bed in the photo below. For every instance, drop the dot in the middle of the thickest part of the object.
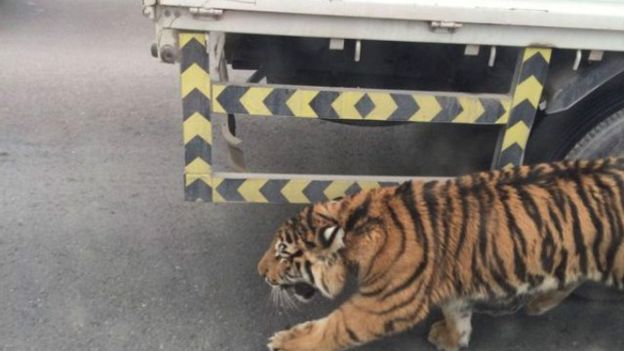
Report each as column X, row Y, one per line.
column 553, row 23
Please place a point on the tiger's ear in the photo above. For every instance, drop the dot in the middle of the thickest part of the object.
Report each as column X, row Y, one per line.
column 329, row 210
column 332, row 238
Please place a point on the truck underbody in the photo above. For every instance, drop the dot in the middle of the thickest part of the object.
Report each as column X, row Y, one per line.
column 507, row 64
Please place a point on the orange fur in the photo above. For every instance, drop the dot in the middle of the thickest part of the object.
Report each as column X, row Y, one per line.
column 494, row 239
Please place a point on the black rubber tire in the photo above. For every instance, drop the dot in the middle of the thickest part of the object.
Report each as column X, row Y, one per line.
column 554, row 136
column 605, row 139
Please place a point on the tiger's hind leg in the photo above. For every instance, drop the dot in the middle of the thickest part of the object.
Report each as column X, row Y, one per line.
column 546, row 301
column 452, row 332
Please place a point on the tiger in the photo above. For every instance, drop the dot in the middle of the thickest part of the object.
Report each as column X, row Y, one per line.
column 492, row 241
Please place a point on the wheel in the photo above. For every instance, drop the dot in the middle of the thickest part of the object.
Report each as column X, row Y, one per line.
column 594, row 129
column 554, row 137
column 605, row 139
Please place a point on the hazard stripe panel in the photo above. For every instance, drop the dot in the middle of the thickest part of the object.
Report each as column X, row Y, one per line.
column 531, row 77
column 260, row 189
column 306, row 102
column 197, row 128
column 276, row 189
column 288, row 191
column 200, row 97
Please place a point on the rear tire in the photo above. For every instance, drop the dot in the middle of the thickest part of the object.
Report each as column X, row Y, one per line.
column 605, row 139
column 555, row 136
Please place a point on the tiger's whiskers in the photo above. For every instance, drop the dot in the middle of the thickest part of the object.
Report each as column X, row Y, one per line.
column 282, row 299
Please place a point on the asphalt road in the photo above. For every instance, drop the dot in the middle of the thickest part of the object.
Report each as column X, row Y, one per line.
column 98, row 250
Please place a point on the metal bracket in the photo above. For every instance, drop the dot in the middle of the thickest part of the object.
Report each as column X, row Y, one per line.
column 336, row 44
column 492, row 58
column 472, row 50
column 148, row 9
column 228, row 130
column 237, row 157
column 201, row 11
column 218, row 65
column 216, row 52
column 166, row 48
column 445, row 26
column 595, row 55
column 358, row 50
column 577, row 60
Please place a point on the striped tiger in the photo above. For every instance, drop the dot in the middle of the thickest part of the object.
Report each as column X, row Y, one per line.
column 489, row 242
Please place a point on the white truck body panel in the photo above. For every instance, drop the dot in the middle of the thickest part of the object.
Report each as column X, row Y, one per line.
column 581, row 24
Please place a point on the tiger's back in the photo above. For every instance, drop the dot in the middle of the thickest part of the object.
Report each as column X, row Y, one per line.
column 539, row 233
column 538, row 227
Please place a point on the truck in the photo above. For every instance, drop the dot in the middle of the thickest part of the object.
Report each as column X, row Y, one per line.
column 548, row 74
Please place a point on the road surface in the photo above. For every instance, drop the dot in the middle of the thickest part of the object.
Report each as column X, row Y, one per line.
column 98, row 250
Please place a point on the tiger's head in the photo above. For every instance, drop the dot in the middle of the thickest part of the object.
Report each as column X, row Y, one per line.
column 305, row 254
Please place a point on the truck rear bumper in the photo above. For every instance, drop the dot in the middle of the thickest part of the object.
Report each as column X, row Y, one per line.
column 202, row 97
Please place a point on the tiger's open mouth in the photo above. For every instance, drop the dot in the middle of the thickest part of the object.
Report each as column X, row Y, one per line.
column 302, row 291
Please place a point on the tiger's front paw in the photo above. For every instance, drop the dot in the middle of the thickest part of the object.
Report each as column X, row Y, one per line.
column 302, row 337
column 291, row 339
column 443, row 338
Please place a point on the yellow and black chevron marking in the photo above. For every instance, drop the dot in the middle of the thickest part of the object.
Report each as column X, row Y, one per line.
column 267, row 100
column 197, row 128
column 525, row 101
column 516, row 113
column 297, row 190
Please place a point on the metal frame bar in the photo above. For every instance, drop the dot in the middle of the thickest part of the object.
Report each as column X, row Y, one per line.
column 294, row 188
column 201, row 97
column 359, row 104
column 197, row 127
column 528, row 84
